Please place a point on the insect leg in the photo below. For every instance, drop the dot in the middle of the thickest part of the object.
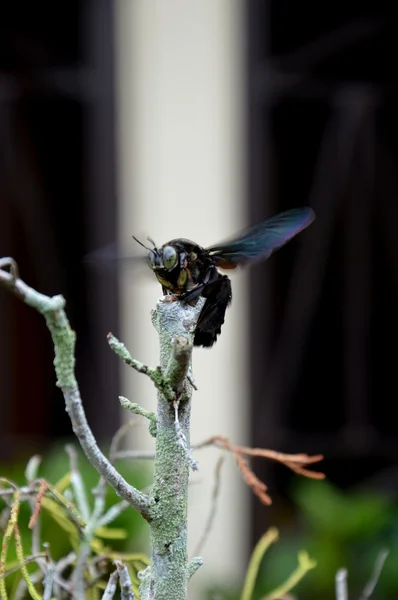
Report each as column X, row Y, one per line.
column 211, row 276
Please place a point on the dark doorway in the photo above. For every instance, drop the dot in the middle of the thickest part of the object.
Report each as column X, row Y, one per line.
column 323, row 131
column 58, row 202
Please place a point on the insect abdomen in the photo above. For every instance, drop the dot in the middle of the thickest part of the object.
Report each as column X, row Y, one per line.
column 218, row 296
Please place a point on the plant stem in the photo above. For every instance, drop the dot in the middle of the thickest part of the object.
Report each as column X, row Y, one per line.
column 168, row 575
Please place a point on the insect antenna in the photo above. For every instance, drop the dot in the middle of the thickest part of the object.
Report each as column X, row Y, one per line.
column 153, row 243
column 146, row 247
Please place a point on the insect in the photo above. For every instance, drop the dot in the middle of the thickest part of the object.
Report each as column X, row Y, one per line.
column 188, row 271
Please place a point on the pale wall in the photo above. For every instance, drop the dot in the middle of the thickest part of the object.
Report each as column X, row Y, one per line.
column 180, row 93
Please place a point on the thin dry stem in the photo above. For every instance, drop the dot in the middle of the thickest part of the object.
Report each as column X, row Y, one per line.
column 40, row 494
column 295, row 462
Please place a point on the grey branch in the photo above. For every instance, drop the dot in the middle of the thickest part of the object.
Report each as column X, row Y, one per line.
column 48, row 582
column 130, row 454
column 111, row 586
column 191, row 379
column 120, row 349
column 168, row 575
column 155, row 375
column 32, row 468
column 169, row 379
column 125, row 582
column 52, row 308
column 63, row 564
column 112, row 513
column 137, row 409
column 370, row 586
column 117, row 437
column 29, row 559
column 79, row 490
column 194, row 565
column 341, row 585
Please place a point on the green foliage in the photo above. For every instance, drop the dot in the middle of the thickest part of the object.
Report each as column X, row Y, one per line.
column 340, row 529
column 303, row 564
column 61, row 525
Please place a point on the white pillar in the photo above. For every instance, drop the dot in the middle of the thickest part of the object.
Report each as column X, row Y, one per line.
column 180, row 90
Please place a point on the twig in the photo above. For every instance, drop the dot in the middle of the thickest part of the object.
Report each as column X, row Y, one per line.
column 32, row 468
column 155, row 375
column 295, row 462
column 26, row 491
column 113, row 512
column 62, row 564
column 78, row 579
column 121, row 351
column 135, row 454
column 48, row 582
column 11, row 264
column 79, row 490
column 191, row 380
column 118, row 436
column 378, row 567
column 111, row 586
column 31, row 473
column 258, row 487
column 194, row 565
column 137, row 409
column 65, row 562
column 123, row 489
column 27, row 560
column 125, row 582
column 52, row 308
column 176, row 370
column 37, row 576
column 213, row 506
column 341, row 585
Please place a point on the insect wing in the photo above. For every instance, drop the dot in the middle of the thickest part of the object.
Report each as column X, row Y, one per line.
column 261, row 240
column 110, row 258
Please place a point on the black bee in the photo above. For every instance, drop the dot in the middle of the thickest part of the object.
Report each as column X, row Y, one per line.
column 187, row 270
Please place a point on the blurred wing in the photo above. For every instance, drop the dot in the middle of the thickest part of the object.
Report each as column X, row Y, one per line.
column 111, row 258
column 261, row 240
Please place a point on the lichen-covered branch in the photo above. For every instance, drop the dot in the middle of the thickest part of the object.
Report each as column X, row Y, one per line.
column 169, row 572
column 52, row 308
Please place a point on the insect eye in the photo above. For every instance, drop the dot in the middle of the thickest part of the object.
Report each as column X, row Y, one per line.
column 169, row 257
column 151, row 259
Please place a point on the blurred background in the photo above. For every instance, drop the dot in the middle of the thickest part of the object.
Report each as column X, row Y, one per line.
column 191, row 119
